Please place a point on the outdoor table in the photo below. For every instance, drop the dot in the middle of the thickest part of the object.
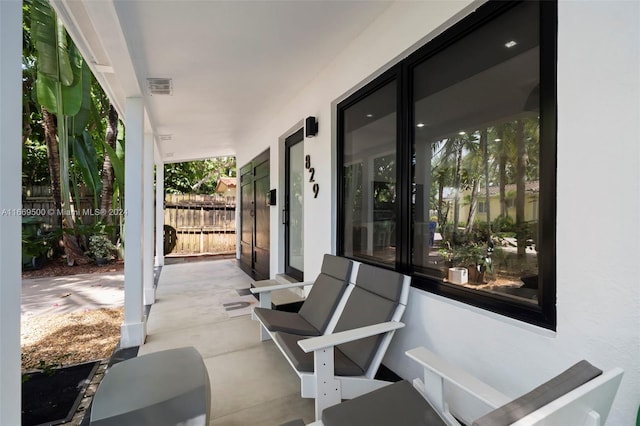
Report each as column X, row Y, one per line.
column 163, row 388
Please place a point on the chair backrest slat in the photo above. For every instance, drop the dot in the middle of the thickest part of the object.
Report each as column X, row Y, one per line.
column 326, row 291
column 565, row 382
column 374, row 299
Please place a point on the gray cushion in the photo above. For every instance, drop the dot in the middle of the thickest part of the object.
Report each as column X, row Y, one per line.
column 316, row 312
column 362, row 309
column 322, row 300
column 382, row 282
column 303, row 362
column 396, row 404
column 337, row 267
column 373, row 300
column 577, row 375
column 290, row 322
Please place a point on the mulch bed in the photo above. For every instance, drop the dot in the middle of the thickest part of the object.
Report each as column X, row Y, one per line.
column 52, row 396
column 58, row 267
column 61, row 340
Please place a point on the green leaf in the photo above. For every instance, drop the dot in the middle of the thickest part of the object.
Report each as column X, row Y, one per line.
column 66, row 73
column 72, row 95
column 51, row 43
column 46, row 93
column 43, row 32
column 81, row 119
column 59, row 62
column 85, row 155
column 116, row 162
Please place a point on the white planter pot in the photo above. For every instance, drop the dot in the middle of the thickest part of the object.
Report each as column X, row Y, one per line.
column 458, row 275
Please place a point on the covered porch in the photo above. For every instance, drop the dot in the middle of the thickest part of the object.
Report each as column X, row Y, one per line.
column 251, row 382
column 239, row 79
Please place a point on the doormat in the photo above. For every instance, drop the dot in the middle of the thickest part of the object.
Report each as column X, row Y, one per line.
column 241, row 305
column 52, row 397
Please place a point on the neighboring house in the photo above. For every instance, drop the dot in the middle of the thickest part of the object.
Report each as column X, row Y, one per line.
column 532, row 190
column 226, row 186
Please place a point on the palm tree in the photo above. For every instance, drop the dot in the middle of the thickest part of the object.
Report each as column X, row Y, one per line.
column 520, row 187
column 106, row 196
column 451, row 151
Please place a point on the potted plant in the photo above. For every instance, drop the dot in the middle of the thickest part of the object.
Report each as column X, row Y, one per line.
column 476, row 257
column 101, row 248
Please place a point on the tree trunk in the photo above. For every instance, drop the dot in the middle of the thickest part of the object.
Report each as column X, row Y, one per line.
column 51, row 139
column 71, row 247
column 456, row 185
column 520, row 188
column 484, row 141
column 106, row 195
column 473, row 207
column 502, row 171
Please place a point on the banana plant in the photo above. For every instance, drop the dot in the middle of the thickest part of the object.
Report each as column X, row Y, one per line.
column 60, row 88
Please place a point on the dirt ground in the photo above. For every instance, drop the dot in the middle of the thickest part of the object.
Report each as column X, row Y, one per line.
column 70, row 338
column 57, row 267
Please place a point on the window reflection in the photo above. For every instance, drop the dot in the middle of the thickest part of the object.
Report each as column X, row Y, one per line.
column 370, row 177
column 476, row 159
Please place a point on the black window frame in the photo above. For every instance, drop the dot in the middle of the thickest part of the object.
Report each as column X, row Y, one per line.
column 544, row 313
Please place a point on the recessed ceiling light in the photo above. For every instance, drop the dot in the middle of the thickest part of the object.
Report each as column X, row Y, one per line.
column 420, row 125
column 165, row 138
column 369, row 115
column 510, row 44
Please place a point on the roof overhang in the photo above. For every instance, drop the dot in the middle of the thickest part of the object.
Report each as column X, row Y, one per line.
column 232, row 64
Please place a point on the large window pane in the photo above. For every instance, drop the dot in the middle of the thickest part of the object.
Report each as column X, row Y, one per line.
column 476, row 158
column 369, row 176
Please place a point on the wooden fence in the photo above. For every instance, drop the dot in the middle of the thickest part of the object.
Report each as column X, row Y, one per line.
column 37, row 201
column 196, row 224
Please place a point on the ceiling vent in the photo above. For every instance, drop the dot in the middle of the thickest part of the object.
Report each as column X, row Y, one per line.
column 160, row 86
column 165, row 138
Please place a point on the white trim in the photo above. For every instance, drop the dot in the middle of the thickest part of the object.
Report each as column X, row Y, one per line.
column 149, row 293
column 133, row 329
column 10, row 227
column 159, row 212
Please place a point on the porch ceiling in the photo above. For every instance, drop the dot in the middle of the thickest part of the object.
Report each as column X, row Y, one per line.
column 234, row 64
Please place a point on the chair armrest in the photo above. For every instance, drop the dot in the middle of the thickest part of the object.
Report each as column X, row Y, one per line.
column 458, row 377
column 329, row 340
column 270, row 288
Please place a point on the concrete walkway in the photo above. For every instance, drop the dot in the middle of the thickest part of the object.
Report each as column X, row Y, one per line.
column 73, row 293
column 251, row 382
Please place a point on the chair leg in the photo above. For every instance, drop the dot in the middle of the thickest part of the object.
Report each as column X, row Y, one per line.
column 265, row 302
column 264, row 334
column 328, row 389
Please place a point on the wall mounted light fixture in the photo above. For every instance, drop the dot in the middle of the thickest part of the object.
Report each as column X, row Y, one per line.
column 310, row 127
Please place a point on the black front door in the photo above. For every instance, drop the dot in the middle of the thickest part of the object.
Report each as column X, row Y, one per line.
column 254, row 217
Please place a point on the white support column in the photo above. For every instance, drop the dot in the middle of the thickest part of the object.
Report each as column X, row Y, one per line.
column 133, row 330
column 148, row 217
column 159, row 213
column 10, row 204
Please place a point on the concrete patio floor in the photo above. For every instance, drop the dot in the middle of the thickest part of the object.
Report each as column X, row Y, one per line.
column 251, row 382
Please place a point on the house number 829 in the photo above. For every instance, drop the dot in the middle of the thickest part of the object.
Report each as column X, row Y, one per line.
column 312, row 172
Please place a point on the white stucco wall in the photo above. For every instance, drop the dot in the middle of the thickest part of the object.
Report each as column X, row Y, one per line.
column 598, row 295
